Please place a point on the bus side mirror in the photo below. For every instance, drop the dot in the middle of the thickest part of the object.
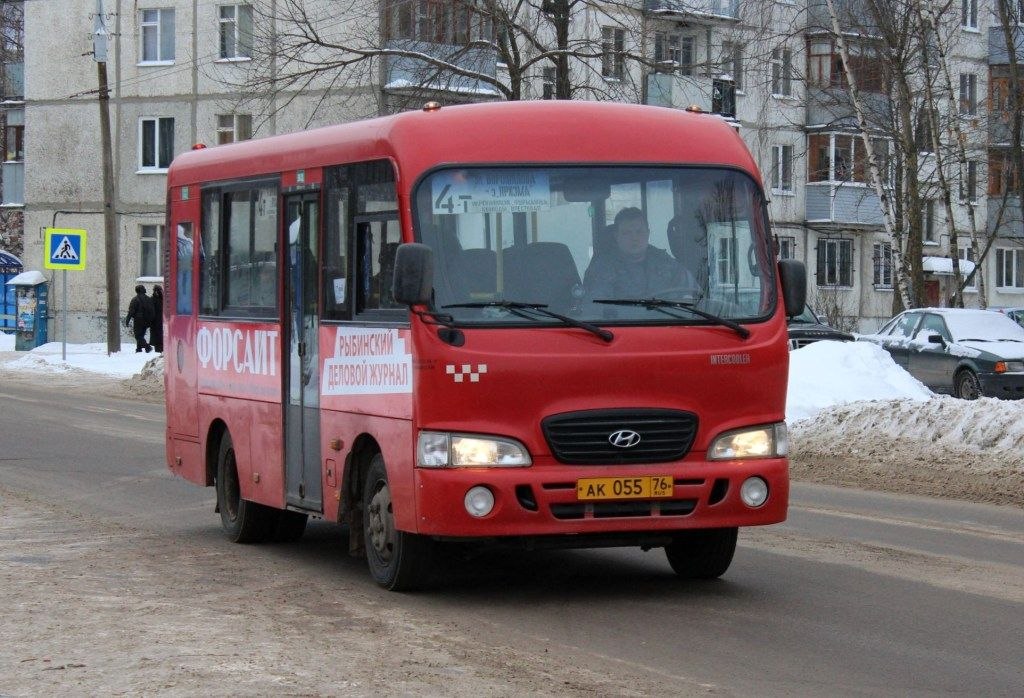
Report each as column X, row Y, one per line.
column 794, row 286
column 414, row 274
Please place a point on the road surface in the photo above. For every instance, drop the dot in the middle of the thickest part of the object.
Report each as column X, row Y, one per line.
column 115, row 578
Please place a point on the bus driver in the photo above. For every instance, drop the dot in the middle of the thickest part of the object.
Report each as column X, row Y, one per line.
column 633, row 268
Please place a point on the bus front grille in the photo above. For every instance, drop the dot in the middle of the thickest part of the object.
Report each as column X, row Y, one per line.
column 614, row 437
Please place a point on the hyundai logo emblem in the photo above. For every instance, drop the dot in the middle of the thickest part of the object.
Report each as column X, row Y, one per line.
column 624, row 438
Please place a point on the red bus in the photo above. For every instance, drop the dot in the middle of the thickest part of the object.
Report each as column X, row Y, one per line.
column 533, row 323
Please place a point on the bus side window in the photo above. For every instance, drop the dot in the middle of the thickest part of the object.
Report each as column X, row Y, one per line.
column 336, row 269
column 183, row 278
column 378, row 243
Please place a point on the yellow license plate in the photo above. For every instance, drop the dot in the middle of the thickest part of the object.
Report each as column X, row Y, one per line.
column 644, row 487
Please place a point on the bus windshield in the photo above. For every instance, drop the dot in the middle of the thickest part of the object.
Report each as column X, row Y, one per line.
column 601, row 244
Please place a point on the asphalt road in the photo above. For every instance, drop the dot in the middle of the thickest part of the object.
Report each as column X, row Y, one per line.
column 859, row 593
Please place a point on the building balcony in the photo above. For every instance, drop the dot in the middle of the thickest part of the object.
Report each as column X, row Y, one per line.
column 844, row 203
column 853, row 15
column 13, row 183
column 695, row 11
column 712, row 95
column 411, row 74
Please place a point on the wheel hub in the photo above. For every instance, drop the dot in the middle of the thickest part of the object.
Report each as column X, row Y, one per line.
column 381, row 524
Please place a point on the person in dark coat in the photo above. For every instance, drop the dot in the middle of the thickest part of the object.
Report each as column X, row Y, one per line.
column 156, row 330
column 633, row 268
column 140, row 316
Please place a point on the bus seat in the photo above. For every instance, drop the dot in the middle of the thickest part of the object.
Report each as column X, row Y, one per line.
column 479, row 267
column 604, row 240
column 541, row 272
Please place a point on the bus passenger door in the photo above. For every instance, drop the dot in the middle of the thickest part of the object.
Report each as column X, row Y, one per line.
column 302, row 375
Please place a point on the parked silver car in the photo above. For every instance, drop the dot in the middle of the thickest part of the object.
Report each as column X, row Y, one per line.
column 968, row 353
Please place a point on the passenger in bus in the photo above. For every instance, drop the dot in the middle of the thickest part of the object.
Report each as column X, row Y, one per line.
column 632, row 267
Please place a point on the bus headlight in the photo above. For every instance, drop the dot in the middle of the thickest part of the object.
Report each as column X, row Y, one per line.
column 769, row 441
column 439, row 449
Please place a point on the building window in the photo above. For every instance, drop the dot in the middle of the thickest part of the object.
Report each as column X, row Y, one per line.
column 156, row 143
column 725, row 261
column 150, row 238
column 1009, row 268
column 882, row 265
column 612, row 46
column 928, row 223
column 968, row 93
column 233, row 127
column 838, row 157
column 435, row 21
column 157, row 39
column 782, row 168
column 674, row 52
column 969, row 13
column 235, row 31
column 15, row 148
column 835, row 262
column 782, row 72
column 967, row 255
column 819, row 64
column 732, row 62
column 923, row 132
column 787, row 247
column 969, row 183
column 1002, row 174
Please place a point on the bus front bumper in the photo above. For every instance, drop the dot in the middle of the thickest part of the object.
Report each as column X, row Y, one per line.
column 543, row 500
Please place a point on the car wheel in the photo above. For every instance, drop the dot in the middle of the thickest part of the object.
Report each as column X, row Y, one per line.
column 243, row 521
column 398, row 561
column 702, row 553
column 966, row 385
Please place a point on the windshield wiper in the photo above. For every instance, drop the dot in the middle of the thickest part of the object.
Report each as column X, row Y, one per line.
column 661, row 304
column 523, row 310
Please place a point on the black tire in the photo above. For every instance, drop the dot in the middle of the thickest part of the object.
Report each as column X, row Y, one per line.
column 398, row 561
column 290, row 526
column 966, row 385
column 243, row 521
column 702, row 553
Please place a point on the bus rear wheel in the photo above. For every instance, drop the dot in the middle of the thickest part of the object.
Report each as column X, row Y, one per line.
column 243, row 521
column 702, row 553
column 398, row 561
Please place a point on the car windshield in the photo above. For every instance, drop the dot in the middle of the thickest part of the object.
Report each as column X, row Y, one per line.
column 984, row 326
column 596, row 244
column 807, row 316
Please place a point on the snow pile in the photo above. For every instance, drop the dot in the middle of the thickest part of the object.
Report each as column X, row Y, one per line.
column 92, row 358
column 828, row 373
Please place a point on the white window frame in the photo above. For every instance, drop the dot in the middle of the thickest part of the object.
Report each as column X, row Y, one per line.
column 833, row 272
column 969, row 14
column 613, row 62
column 968, row 94
column 882, row 265
column 1010, row 267
column 156, row 121
column 782, row 72
column 164, row 16
column 230, row 24
column 782, row 169
column 967, row 254
column 229, row 134
column 787, row 246
column 732, row 62
column 725, row 261
column 928, row 229
column 151, row 238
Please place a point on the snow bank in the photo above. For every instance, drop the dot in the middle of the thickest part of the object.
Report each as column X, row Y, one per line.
column 92, row 358
column 830, row 373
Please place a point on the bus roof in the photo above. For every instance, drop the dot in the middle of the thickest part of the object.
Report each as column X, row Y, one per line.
column 495, row 132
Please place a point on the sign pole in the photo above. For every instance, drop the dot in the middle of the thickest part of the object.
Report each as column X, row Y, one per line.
column 64, row 312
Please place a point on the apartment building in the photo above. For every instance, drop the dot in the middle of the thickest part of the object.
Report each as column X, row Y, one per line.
column 178, row 69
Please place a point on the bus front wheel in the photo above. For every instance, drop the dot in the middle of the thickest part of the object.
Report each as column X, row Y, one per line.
column 702, row 553
column 243, row 521
column 398, row 561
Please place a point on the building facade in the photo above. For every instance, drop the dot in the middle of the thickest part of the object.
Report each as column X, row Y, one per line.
column 181, row 72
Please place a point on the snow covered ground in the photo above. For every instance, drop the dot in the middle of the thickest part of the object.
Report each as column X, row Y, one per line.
column 855, row 418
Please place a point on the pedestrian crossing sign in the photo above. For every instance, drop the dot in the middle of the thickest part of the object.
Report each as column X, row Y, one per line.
column 65, row 248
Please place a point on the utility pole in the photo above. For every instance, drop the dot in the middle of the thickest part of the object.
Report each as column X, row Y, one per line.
column 113, row 255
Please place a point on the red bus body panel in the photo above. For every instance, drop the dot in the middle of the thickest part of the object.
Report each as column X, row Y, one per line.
column 391, row 383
